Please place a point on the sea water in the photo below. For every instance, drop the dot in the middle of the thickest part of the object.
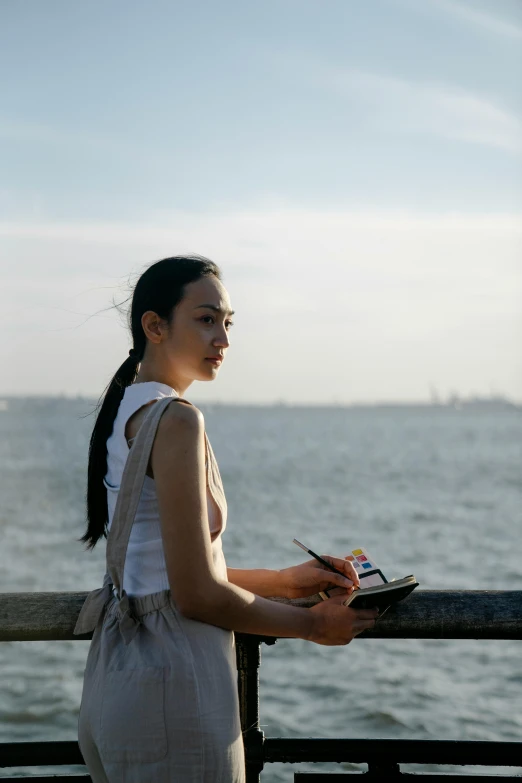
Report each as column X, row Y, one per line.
column 432, row 491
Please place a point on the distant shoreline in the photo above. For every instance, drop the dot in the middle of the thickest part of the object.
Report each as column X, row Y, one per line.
column 474, row 404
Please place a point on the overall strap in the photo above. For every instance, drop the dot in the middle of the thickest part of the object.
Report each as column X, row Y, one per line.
column 126, row 506
column 130, row 492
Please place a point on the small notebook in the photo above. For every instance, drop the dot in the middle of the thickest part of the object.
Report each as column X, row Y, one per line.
column 382, row 596
column 375, row 590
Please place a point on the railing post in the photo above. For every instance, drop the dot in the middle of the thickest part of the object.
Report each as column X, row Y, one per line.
column 248, row 654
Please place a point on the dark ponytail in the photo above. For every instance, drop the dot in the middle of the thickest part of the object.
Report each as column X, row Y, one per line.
column 160, row 288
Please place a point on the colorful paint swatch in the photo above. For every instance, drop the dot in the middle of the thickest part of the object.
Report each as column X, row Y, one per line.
column 367, row 569
column 363, row 556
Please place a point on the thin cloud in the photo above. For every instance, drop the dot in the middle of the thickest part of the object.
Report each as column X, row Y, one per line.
column 437, row 295
column 246, row 228
column 490, row 22
column 281, row 239
column 387, row 103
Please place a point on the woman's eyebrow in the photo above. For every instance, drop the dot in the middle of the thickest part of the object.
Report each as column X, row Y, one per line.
column 216, row 309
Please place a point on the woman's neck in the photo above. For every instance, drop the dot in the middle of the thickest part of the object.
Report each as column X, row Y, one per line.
column 148, row 373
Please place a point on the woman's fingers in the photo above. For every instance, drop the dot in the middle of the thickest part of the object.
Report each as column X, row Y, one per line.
column 340, row 624
column 364, row 619
column 344, row 592
column 362, row 627
column 351, row 572
column 343, row 565
column 349, row 564
column 335, row 579
column 338, row 599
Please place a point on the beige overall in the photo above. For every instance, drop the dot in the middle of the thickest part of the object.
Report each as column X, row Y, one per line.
column 159, row 700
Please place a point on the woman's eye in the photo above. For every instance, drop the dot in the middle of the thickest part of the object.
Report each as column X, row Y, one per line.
column 209, row 319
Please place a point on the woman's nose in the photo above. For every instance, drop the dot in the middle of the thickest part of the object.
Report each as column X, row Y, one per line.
column 222, row 339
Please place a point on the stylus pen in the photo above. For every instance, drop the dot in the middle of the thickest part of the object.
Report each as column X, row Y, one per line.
column 321, row 560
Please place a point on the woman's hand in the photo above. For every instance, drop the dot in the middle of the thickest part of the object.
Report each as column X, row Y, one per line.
column 312, row 577
column 336, row 624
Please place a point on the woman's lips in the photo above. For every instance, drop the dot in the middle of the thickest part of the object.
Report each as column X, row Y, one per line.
column 214, row 359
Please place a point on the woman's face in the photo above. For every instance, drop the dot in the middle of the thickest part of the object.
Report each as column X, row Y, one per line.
column 197, row 339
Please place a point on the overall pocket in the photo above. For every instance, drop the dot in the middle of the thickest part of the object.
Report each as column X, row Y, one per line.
column 133, row 716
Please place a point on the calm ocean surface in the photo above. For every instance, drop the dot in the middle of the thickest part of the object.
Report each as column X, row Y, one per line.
column 435, row 492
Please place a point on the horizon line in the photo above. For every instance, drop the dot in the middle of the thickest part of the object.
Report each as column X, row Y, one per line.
column 454, row 401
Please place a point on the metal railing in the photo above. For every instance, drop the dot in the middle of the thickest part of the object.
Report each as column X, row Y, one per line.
column 426, row 614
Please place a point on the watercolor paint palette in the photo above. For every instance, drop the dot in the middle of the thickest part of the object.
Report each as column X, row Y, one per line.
column 367, row 570
column 375, row 590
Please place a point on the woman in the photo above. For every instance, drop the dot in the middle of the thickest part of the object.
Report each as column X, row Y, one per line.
column 160, row 700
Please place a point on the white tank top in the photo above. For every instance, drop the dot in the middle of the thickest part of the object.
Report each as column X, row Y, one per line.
column 145, row 569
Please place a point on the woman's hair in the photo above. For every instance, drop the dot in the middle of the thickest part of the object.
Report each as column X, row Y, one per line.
column 160, row 288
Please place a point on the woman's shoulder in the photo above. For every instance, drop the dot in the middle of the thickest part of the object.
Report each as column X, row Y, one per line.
column 180, row 416
column 136, row 402
column 180, row 438
column 183, row 415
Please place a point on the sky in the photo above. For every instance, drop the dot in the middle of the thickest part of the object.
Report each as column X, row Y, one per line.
column 354, row 168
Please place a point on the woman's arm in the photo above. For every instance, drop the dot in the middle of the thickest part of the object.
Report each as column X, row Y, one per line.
column 297, row 581
column 261, row 581
column 178, row 464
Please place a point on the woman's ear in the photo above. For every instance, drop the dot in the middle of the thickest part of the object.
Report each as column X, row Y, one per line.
column 153, row 326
